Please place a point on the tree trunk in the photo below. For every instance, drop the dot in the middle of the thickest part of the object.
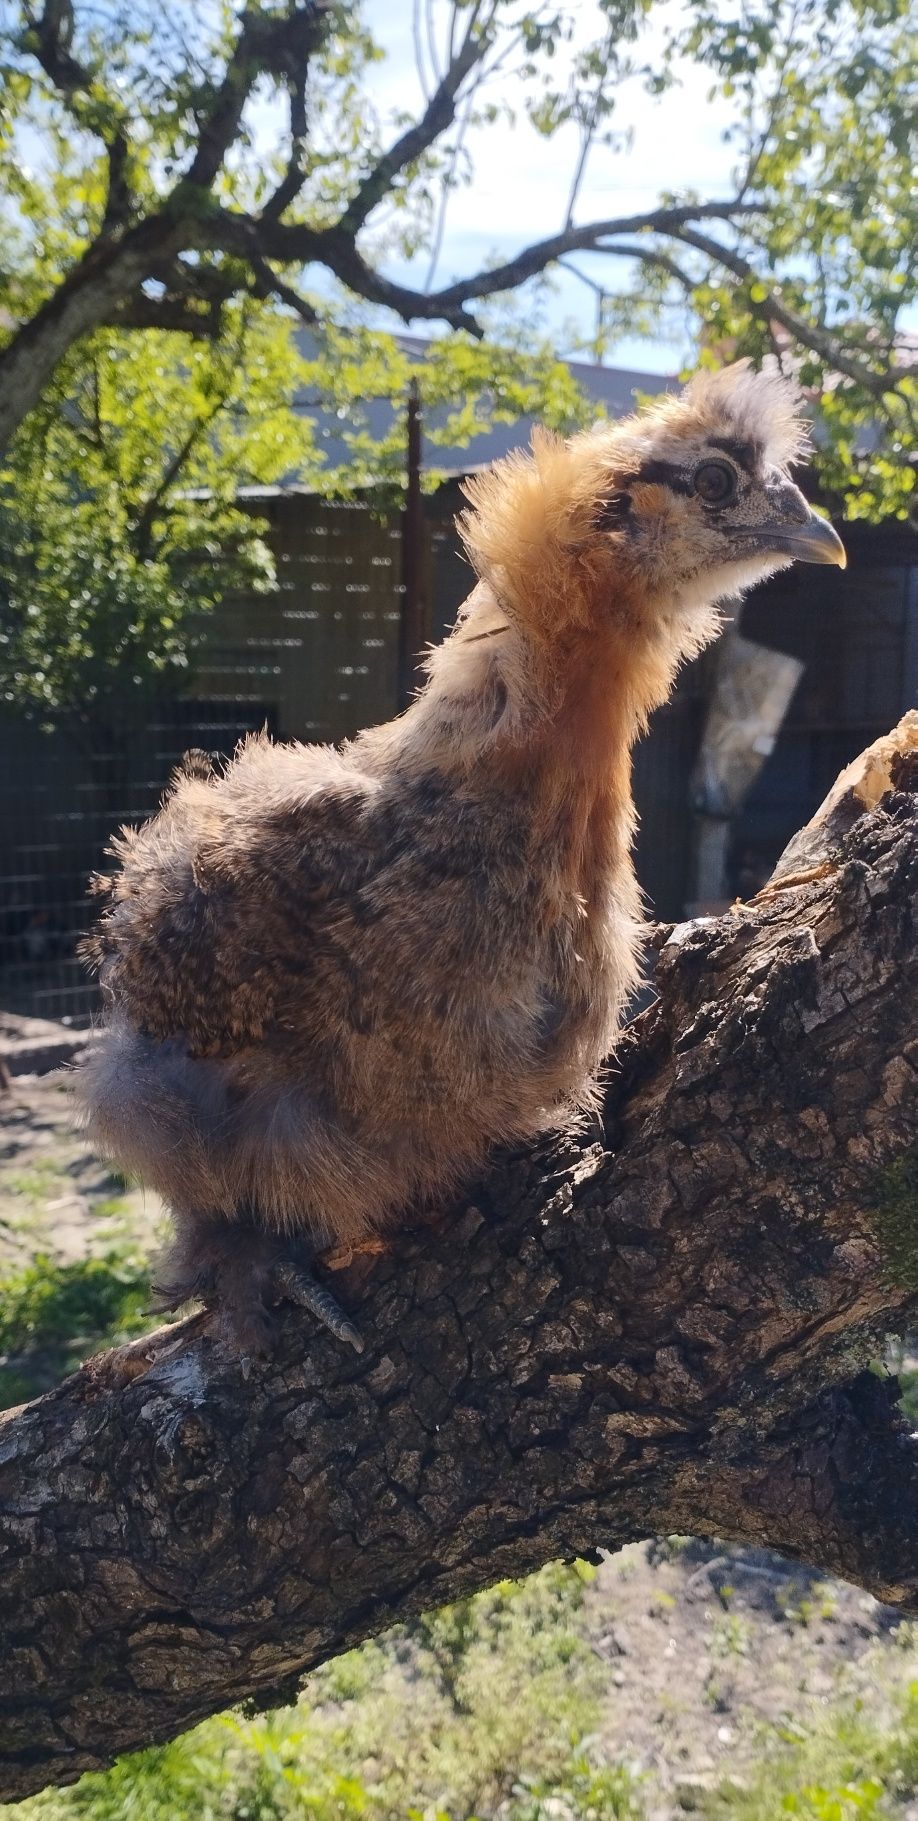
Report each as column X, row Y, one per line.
column 110, row 271
column 660, row 1326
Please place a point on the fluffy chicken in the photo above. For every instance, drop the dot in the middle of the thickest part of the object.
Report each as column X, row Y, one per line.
column 335, row 976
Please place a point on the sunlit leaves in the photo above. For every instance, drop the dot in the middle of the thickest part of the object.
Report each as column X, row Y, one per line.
column 119, row 521
column 121, row 525
column 821, row 96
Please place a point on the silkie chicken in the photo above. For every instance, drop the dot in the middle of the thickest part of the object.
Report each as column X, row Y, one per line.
column 334, row 977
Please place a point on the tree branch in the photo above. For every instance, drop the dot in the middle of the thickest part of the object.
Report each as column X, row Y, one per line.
column 657, row 1326
column 50, row 36
column 589, row 125
column 177, row 315
column 119, row 200
column 772, row 308
column 265, row 45
column 647, row 255
column 142, row 530
column 294, row 242
column 268, row 284
column 106, row 284
column 525, row 264
column 110, row 271
column 292, row 181
column 438, row 116
column 108, row 280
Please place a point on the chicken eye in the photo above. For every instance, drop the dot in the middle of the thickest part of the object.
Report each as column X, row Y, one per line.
column 715, row 483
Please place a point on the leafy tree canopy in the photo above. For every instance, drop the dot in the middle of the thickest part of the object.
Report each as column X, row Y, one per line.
column 121, row 522
column 163, row 158
column 181, row 180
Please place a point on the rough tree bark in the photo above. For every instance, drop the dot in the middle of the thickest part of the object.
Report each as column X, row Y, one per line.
column 659, row 1327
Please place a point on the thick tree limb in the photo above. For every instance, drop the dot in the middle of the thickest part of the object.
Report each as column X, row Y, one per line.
column 295, row 243
column 660, row 1327
column 110, row 271
column 177, row 315
column 282, row 241
column 106, row 284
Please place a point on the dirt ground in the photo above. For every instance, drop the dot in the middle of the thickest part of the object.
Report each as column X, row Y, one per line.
column 55, row 1197
column 708, row 1646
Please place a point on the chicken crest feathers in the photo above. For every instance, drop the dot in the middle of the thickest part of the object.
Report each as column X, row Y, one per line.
column 534, row 515
column 763, row 408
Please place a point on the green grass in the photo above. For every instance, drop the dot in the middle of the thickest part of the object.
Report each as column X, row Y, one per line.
column 486, row 1705
column 848, row 1765
column 35, row 1185
column 388, row 1734
column 52, row 1315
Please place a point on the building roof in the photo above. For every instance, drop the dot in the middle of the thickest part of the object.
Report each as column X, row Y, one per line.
column 614, row 389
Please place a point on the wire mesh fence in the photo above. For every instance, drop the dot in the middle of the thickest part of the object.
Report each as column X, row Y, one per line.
column 60, row 801
column 317, row 660
column 314, row 660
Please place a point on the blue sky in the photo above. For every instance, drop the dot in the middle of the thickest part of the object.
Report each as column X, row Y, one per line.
column 522, row 180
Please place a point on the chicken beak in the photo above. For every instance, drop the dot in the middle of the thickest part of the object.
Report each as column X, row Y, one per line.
column 815, row 541
column 790, row 527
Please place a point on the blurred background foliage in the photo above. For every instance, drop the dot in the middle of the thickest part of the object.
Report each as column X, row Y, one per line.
column 120, row 521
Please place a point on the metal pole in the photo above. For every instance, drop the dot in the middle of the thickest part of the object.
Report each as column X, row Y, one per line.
column 412, row 630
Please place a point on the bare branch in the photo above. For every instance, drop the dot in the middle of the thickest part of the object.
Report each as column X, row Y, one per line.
column 292, row 181
column 432, row 40
column 268, row 284
column 759, row 143
column 50, row 35
column 418, row 46
column 646, row 255
column 118, row 202
column 588, row 128
column 447, row 183
column 438, row 116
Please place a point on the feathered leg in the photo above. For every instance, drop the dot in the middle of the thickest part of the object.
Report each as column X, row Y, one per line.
column 242, row 1272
